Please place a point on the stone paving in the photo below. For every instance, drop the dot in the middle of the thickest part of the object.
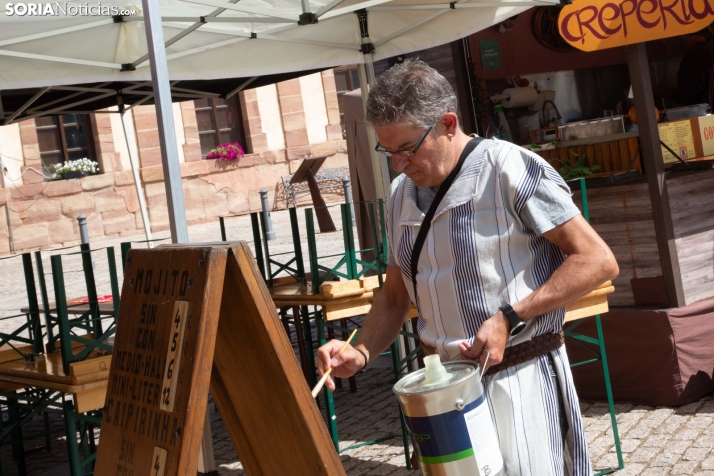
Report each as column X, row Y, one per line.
column 655, row 441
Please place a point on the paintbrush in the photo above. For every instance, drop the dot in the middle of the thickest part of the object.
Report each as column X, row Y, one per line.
column 320, row 384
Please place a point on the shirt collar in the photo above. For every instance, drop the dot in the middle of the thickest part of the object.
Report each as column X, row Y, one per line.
column 461, row 191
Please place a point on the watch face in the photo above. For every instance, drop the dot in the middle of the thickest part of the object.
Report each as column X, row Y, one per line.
column 518, row 328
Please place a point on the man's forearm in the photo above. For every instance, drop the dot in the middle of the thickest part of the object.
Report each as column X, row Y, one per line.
column 577, row 276
column 383, row 323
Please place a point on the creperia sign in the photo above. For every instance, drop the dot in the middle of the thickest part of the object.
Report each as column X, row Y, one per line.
column 591, row 25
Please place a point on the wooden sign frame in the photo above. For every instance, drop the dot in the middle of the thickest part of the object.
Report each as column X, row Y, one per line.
column 256, row 381
column 140, row 436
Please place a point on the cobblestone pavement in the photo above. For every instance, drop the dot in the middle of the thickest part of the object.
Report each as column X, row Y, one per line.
column 655, row 441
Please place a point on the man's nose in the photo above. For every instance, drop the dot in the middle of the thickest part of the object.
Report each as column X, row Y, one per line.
column 399, row 162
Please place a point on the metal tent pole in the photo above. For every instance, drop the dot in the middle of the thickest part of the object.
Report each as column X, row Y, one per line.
column 169, row 151
column 8, row 217
column 165, row 120
column 134, row 160
column 379, row 162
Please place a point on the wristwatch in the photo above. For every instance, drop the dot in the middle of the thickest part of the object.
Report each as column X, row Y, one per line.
column 517, row 325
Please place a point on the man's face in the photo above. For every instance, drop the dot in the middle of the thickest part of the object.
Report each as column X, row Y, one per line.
column 432, row 162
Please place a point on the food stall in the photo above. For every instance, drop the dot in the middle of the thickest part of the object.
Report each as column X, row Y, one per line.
column 578, row 92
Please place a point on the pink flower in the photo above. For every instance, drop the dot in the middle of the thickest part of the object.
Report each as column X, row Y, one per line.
column 230, row 152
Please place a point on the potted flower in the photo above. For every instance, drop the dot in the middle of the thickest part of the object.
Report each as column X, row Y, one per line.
column 230, row 152
column 76, row 168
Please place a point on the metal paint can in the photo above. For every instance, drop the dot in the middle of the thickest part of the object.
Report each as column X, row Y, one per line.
column 449, row 420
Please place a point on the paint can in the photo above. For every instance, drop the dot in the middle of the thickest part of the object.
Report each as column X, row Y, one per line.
column 449, row 419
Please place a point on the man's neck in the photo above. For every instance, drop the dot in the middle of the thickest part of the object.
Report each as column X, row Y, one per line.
column 458, row 144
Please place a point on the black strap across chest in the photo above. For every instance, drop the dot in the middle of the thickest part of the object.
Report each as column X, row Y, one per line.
column 426, row 224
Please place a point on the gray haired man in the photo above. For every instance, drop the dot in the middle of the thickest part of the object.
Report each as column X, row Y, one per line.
column 506, row 251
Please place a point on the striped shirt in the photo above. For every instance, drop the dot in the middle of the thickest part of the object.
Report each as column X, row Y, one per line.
column 484, row 248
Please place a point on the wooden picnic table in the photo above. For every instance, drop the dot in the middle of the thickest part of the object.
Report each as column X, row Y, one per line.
column 338, row 299
column 105, row 308
column 86, row 381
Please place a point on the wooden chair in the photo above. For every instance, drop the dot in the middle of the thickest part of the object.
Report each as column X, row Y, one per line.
column 24, row 342
column 79, row 369
column 91, row 322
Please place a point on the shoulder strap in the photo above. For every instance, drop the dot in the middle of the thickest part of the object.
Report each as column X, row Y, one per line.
column 426, row 224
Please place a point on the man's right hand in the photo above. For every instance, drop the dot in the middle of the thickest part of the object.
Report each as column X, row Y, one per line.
column 345, row 364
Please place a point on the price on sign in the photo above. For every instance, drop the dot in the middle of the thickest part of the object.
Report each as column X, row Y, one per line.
column 173, row 356
column 158, row 462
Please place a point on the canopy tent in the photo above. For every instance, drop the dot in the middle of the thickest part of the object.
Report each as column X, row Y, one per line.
column 190, row 40
column 220, row 39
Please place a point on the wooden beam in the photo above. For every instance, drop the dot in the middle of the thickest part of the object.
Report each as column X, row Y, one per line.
column 654, row 171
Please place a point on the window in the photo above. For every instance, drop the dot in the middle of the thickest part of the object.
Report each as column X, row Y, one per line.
column 346, row 79
column 219, row 122
column 63, row 138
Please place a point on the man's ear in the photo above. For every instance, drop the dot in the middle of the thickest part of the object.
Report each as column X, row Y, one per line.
column 451, row 123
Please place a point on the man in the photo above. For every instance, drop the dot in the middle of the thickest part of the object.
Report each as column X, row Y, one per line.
column 500, row 236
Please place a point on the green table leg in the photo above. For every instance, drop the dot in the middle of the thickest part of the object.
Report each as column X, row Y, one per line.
column 608, row 387
column 309, row 349
column 329, row 401
column 18, row 447
column 75, row 465
column 396, row 364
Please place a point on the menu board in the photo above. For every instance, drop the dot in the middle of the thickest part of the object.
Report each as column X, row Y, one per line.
column 163, row 352
column 678, row 137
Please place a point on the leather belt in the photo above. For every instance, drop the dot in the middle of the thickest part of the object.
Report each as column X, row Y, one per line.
column 522, row 352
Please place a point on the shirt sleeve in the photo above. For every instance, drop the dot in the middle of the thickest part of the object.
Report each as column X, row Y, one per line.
column 549, row 206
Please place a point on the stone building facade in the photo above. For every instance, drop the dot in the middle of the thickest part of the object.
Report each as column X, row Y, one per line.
column 281, row 125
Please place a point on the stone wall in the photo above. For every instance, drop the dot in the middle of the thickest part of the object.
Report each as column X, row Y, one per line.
column 43, row 213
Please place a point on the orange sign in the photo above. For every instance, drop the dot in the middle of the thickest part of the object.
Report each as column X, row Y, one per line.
column 591, row 25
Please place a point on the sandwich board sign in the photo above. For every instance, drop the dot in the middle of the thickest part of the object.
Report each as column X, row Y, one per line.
column 194, row 316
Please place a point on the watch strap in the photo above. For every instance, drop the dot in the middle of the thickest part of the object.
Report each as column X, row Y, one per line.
column 511, row 315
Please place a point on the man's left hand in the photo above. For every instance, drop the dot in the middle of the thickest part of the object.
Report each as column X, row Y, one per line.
column 492, row 336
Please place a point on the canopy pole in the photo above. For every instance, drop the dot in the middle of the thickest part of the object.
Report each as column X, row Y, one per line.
column 8, row 217
column 380, row 169
column 134, row 161
column 654, row 172
column 165, row 120
column 379, row 164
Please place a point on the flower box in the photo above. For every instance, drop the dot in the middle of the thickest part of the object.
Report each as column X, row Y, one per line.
column 72, row 175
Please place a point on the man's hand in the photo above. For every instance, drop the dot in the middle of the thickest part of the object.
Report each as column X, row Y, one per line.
column 344, row 365
column 492, row 337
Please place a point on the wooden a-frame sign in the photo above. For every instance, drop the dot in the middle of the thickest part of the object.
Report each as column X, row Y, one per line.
column 193, row 316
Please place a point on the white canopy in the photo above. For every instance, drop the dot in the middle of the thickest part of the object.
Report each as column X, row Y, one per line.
column 62, row 46
column 211, row 39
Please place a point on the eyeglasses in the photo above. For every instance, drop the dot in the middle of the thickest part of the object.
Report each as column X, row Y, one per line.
column 404, row 153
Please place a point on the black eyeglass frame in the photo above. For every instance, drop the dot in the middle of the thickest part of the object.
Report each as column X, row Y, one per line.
column 405, row 153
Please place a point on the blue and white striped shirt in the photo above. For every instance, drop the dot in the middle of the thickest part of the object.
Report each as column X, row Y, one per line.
column 485, row 246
